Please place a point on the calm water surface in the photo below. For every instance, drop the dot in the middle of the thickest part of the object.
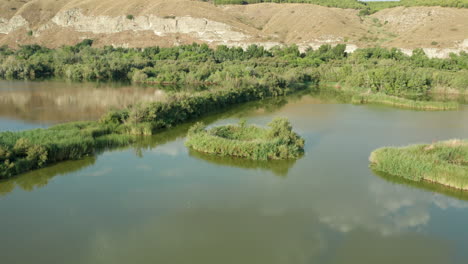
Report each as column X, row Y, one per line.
column 157, row 202
column 50, row 102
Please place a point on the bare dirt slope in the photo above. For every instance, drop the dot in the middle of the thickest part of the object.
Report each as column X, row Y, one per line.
column 171, row 22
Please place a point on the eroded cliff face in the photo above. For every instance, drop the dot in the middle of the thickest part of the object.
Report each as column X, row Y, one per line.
column 141, row 23
column 199, row 28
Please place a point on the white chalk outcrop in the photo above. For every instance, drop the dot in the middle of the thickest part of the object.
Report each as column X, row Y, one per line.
column 200, row 28
column 9, row 25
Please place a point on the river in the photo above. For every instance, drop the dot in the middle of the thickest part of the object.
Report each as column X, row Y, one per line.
column 158, row 202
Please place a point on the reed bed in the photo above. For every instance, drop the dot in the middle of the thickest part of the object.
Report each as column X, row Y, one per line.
column 443, row 162
column 32, row 149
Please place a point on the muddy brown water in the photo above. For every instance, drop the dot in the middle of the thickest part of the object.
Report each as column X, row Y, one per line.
column 157, row 202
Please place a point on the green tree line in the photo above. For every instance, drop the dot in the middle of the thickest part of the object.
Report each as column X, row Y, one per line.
column 382, row 70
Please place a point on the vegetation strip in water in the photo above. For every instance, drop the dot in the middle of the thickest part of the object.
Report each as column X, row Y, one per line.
column 380, row 98
column 147, row 118
column 28, row 150
column 443, row 162
column 250, row 142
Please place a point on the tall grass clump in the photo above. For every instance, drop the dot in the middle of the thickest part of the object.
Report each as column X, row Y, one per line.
column 380, row 98
column 250, row 142
column 28, row 150
column 443, row 162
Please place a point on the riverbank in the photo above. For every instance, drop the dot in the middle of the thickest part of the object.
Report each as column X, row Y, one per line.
column 445, row 162
column 380, row 98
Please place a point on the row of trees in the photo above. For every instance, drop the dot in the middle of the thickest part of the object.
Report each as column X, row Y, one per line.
column 381, row 69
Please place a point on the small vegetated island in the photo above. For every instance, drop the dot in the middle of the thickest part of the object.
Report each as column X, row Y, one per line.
column 444, row 162
column 278, row 141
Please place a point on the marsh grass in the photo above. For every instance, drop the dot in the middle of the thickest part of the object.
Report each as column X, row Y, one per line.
column 443, row 162
column 380, row 98
column 251, row 142
column 32, row 149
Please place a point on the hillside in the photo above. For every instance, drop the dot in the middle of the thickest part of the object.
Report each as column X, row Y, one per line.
column 140, row 23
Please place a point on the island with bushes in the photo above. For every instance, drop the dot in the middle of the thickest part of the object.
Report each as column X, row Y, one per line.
column 444, row 162
column 278, row 141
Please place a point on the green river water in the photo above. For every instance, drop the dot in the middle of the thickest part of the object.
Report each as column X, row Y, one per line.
column 158, row 202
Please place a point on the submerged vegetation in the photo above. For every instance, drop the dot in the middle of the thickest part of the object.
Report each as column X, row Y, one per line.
column 443, row 162
column 251, row 142
column 380, row 98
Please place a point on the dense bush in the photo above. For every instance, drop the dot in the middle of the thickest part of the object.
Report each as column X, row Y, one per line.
column 143, row 119
column 251, row 142
column 383, row 70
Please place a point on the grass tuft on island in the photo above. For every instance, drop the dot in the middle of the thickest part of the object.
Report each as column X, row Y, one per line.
column 250, row 142
column 444, row 162
column 381, row 98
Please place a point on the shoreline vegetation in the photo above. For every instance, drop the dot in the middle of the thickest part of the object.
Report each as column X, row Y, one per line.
column 379, row 98
column 242, row 76
column 28, row 150
column 278, row 142
column 24, row 151
column 444, row 163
